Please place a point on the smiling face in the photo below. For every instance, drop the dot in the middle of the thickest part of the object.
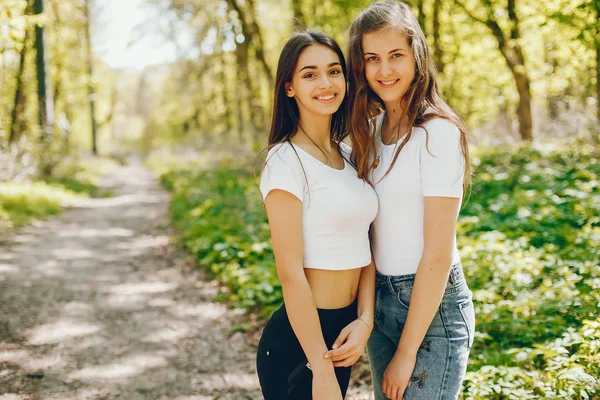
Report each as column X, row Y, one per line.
column 389, row 64
column 318, row 83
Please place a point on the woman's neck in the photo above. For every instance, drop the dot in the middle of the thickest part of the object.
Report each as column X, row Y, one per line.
column 317, row 128
column 395, row 113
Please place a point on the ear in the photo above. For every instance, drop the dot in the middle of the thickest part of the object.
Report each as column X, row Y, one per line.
column 289, row 92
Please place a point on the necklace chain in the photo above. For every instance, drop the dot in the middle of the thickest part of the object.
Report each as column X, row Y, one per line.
column 327, row 159
column 395, row 137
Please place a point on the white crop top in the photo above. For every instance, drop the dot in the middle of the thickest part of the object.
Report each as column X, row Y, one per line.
column 398, row 229
column 337, row 206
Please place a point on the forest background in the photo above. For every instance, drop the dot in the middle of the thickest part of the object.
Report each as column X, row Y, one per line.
column 522, row 73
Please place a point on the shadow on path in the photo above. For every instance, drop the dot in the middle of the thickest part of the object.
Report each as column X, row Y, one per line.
column 95, row 304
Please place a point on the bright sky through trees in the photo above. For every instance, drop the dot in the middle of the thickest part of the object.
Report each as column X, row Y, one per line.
column 134, row 34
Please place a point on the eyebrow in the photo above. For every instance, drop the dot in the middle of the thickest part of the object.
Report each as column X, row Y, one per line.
column 390, row 52
column 315, row 67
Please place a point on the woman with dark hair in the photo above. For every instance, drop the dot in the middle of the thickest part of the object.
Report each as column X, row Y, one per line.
column 319, row 213
column 412, row 147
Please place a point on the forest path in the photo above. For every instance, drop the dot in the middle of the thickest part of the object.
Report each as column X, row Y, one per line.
column 96, row 304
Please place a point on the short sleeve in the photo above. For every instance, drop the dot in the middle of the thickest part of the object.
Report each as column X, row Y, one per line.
column 282, row 171
column 345, row 147
column 442, row 161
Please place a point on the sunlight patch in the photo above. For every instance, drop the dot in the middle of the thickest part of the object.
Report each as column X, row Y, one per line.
column 9, row 268
column 142, row 288
column 61, row 330
column 125, row 368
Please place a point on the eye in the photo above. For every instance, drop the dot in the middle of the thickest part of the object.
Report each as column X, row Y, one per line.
column 309, row 75
column 372, row 58
column 396, row 55
column 335, row 72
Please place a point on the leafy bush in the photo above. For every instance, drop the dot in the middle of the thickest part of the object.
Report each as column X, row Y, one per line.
column 24, row 201
column 529, row 237
column 222, row 221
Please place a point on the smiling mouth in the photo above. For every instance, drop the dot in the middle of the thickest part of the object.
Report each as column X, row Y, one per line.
column 389, row 83
column 327, row 98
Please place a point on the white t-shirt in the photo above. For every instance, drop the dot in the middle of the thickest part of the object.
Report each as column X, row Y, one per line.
column 398, row 229
column 337, row 207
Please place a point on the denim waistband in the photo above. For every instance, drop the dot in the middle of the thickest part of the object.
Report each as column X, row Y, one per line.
column 397, row 281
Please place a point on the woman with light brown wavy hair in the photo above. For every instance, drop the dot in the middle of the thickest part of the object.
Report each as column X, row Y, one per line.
column 412, row 147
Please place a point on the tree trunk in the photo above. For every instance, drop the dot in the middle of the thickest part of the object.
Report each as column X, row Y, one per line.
column 19, row 102
column 252, row 34
column 224, row 88
column 257, row 109
column 46, row 105
column 91, row 94
column 598, row 62
column 59, row 60
column 437, row 48
column 524, row 107
column 421, row 16
column 513, row 55
column 241, row 92
column 243, row 75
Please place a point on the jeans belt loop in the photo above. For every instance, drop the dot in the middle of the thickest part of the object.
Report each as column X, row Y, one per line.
column 451, row 279
column 390, row 285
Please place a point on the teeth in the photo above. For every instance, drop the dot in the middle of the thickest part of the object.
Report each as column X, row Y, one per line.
column 325, row 98
column 388, row 82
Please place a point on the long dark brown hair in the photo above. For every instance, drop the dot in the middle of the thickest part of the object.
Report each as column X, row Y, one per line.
column 286, row 116
column 423, row 94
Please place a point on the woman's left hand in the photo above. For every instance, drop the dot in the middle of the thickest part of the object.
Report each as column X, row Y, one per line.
column 350, row 344
column 396, row 377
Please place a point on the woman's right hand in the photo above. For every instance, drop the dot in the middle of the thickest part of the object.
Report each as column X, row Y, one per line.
column 326, row 387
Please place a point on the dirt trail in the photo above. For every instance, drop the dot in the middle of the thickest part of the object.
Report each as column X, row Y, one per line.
column 96, row 304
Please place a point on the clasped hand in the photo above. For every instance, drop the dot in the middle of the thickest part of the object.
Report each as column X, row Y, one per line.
column 350, row 344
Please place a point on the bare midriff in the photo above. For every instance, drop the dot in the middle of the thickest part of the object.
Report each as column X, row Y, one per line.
column 333, row 289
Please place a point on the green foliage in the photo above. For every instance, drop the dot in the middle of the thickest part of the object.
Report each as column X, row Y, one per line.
column 528, row 236
column 22, row 202
column 222, row 221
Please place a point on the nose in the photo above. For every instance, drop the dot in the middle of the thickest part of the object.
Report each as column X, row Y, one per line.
column 324, row 82
column 385, row 68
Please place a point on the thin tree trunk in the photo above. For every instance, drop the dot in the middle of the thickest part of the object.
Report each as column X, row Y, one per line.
column 225, row 95
column 258, row 111
column 520, row 75
column 598, row 62
column 437, row 47
column 224, row 87
column 513, row 55
column 114, row 97
column 241, row 92
column 46, row 111
column 91, row 94
column 252, row 33
column 524, row 107
column 298, row 15
column 58, row 62
column 421, row 16
column 246, row 87
column 18, row 105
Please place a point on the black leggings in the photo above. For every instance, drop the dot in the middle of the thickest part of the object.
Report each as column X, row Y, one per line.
column 281, row 363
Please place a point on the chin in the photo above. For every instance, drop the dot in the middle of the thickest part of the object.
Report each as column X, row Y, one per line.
column 329, row 109
column 391, row 96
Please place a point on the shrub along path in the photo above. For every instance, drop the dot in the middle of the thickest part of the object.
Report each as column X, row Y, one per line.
column 96, row 304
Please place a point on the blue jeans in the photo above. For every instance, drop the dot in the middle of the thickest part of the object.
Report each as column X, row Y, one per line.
column 442, row 357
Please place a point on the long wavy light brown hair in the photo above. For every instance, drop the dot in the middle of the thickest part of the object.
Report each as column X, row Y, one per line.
column 423, row 94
